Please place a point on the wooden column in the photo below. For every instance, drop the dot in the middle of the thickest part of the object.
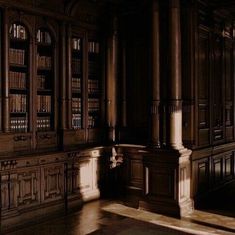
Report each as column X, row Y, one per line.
column 174, row 89
column 63, row 84
column 6, row 113
column 170, row 168
column 111, row 105
column 155, row 137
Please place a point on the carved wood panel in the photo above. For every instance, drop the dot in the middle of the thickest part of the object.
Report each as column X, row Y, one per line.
column 9, row 191
column 52, row 180
column 217, row 169
column 29, row 189
column 201, row 175
column 159, row 182
column 5, row 197
column 136, row 173
column 228, row 166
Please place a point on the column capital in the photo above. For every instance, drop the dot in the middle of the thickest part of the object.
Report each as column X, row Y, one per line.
column 174, row 106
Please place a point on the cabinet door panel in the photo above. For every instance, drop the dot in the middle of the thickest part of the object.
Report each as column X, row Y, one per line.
column 52, row 180
column 28, row 181
column 229, row 90
column 203, row 85
column 201, row 175
column 217, row 90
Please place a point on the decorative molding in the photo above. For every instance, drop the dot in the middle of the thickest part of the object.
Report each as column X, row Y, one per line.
column 174, row 106
column 155, row 106
column 8, row 164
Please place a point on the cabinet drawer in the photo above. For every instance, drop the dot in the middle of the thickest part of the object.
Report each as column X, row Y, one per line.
column 22, row 142
column 46, row 139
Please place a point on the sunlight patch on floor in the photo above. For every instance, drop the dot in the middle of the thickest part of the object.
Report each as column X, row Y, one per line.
column 184, row 225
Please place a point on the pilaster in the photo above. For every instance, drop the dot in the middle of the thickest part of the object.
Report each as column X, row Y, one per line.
column 111, row 102
column 155, row 137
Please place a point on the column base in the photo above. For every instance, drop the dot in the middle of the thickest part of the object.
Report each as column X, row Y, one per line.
column 167, row 176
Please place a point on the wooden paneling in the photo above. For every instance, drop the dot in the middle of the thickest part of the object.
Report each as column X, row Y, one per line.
column 29, row 187
column 132, row 174
column 201, row 175
column 72, row 138
column 217, row 169
column 136, row 173
column 165, row 182
column 52, row 182
column 9, row 193
column 229, row 89
column 212, row 169
column 22, row 142
column 228, row 164
column 203, row 137
column 46, row 140
column 203, row 88
column 5, row 200
column 217, row 92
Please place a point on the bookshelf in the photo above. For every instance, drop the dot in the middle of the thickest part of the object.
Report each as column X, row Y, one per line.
column 45, row 81
column 18, row 78
column 77, row 81
column 94, row 92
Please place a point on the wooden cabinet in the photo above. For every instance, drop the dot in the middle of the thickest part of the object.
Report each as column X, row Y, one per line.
column 86, row 82
column 210, row 89
column 43, row 109
column 30, row 81
column 29, row 187
column 208, row 96
column 84, row 89
column 52, row 182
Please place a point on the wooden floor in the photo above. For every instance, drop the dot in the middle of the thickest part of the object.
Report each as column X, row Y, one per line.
column 112, row 217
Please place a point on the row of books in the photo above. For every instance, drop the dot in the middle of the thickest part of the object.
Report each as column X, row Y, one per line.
column 16, row 56
column 76, row 84
column 17, row 79
column 76, row 105
column 92, row 121
column 76, row 65
column 43, row 123
column 93, row 86
column 76, row 120
column 18, row 124
column 43, row 37
column 18, row 103
column 93, row 104
column 44, row 61
column 93, row 47
column 44, row 103
column 41, row 81
column 18, row 31
column 76, row 44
